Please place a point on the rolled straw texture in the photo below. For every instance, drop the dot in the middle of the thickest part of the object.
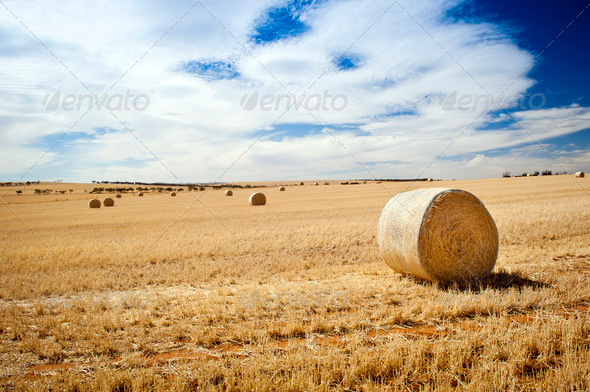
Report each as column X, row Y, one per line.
column 257, row 199
column 438, row 234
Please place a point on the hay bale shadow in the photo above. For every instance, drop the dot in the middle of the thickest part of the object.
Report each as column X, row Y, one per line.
column 500, row 280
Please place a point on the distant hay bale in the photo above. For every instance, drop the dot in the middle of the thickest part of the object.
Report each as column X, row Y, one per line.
column 529, row 175
column 229, row 192
column 580, row 174
column 118, row 195
column 94, row 203
column 438, row 234
column 257, row 199
column 108, row 202
column 139, row 193
column 315, row 183
column 282, row 189
column 172, row 194
column 430, row 180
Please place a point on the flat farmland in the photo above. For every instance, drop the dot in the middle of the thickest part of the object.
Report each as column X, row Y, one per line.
column 203, row 292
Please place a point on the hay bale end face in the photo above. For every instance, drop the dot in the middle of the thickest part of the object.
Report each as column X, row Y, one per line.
column 118, row 195
column 172, row 194
column 139, row 193
column 257, row 199
column 229, row 192
column 316, row 183
column 108, row 202
column 430, row 180
column 94, row 203
column 282, row 189
column 438, row 234
column 580, row 174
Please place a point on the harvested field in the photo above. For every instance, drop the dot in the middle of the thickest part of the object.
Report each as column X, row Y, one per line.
column 292, row 296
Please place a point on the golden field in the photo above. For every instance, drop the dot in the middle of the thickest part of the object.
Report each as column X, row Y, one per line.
column 204, row 292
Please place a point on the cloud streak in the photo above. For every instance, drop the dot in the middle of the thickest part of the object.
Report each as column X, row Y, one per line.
column 393, row 75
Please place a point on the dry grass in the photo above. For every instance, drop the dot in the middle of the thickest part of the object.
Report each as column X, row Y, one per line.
column 300, row 300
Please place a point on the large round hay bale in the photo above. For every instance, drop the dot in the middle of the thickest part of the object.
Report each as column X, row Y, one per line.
column 282, row 189
column 108, row 202
column 580, row 174
column 118, row 195
column 229, row 192
column 139, row 193
column 257, row 199
column 430, row 180
column 172, row 194
column 94, row 203
column 438, row 234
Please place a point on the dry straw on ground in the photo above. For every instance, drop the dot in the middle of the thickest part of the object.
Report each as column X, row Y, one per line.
column 580, row 174
column 229, row 192
column 118, row 195
column 257, row 199
column 94, row 203
column 172, row 193
column 282, row 188
column 139, row 193
column 438, row 234
column 108, row 202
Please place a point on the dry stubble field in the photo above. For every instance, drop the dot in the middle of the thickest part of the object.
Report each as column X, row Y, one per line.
column 163, row 293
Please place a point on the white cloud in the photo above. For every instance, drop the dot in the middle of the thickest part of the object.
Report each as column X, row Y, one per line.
column 197, row 126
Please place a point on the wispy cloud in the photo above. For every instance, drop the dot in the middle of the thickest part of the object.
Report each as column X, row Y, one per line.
column 393, row 77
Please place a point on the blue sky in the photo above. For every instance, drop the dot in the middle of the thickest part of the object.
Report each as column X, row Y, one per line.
column 393, row 85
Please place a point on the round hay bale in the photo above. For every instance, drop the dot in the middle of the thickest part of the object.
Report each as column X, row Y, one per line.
column 172, row 194
column 108, row 202
column 118, row 195
column 282, row 189
column 438, row 234
column 257, row 199
column 139, row 193
column 94, row 203
column 316, row 183
column 229, row 192
column 430, row 180
column 580, row 174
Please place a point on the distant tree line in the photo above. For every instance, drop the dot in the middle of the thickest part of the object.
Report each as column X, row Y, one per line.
column 18, row 183
column 507, row 174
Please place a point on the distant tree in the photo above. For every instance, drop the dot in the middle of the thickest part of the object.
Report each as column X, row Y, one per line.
column 37, row 191
column 506, row 174
column 19, row 192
